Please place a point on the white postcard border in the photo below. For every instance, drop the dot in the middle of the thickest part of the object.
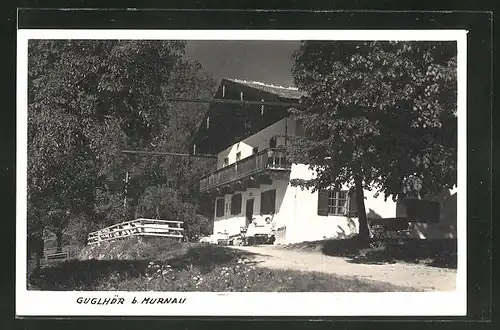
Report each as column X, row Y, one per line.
column 52, row 303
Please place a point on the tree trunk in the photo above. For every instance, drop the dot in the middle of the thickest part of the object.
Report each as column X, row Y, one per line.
column 35, row 249
column 364, row 233
column 59, row 241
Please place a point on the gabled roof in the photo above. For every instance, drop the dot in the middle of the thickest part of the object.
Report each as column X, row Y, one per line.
column 225, row 124
column 281, row 91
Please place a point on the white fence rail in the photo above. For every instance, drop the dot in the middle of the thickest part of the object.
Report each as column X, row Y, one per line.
column 138, row 227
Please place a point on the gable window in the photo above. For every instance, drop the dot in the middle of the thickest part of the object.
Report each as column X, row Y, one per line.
column 226, row 161
column 255, row 150
column 299, row 128
column 219, row 207
column 268, row 202
column 272, row 142
column 339, row 203
column 238, row 156
column 236, row 204
column 418, row 210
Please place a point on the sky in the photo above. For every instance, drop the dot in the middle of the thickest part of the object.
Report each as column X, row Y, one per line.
column 266, row 61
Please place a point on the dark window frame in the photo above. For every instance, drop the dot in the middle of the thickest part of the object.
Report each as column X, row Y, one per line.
column 220, row 207
column 273, row 142
column 268, row 202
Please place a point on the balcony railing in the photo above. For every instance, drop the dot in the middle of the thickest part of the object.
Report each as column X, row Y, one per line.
column 268, row 159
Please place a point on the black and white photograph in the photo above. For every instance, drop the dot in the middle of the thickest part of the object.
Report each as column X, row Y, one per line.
column 241, row 169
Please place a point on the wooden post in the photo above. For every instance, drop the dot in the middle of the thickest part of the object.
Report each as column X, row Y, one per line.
column 125, row 198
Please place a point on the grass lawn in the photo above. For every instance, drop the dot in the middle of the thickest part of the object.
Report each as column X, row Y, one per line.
column 162, row 265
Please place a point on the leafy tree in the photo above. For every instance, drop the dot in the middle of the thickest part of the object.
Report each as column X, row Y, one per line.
column 378, row 115
column 165, row 203
column 88, row 100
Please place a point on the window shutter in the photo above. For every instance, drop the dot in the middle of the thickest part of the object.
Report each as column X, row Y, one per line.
column 401, row 208
column 268, row 202
column 353, row 205
column 323, row 202
column 272, row 203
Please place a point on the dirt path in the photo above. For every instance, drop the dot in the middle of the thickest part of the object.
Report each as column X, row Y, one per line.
column 420, row 277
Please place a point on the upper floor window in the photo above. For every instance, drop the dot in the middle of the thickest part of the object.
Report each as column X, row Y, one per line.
column 272, row 142
column 255, row 150
column 208, row 122
column 238, row 156
column 226, row 161
column 262, row 107
column 299, row 128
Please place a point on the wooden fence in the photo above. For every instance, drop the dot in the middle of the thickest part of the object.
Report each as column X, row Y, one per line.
column 138, row 227
column 67, row 252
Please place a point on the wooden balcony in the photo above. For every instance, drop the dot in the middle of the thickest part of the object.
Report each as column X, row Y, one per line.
column 248, row 172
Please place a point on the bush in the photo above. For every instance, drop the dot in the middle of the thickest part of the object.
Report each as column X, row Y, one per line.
column 165, row 203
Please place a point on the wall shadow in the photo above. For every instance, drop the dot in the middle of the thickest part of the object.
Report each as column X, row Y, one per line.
column 373, row 215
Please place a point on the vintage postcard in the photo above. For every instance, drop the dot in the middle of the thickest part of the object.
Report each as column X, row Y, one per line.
column 241, row 172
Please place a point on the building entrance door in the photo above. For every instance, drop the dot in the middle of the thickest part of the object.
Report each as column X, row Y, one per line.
column 249, row 211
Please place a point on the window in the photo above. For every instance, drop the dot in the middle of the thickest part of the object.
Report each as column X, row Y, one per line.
column 299, row 128
column 226, row 161
column 238, row 155
column 331, row 202
column 262, row 107
column 219, row 208
column 418, row 210
column 268, row 202
column 337, row 202
column 255, row 150
column 236, row 204
column 208, row 122
column 272, row 142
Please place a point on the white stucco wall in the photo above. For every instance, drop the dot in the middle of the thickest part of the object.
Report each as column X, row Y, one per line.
column 296, row 210
column 232, row 223
column 305, row 224
column 260, row 139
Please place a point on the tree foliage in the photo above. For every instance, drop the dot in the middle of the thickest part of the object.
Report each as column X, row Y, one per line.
column 381, row 113
column 87, row 101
